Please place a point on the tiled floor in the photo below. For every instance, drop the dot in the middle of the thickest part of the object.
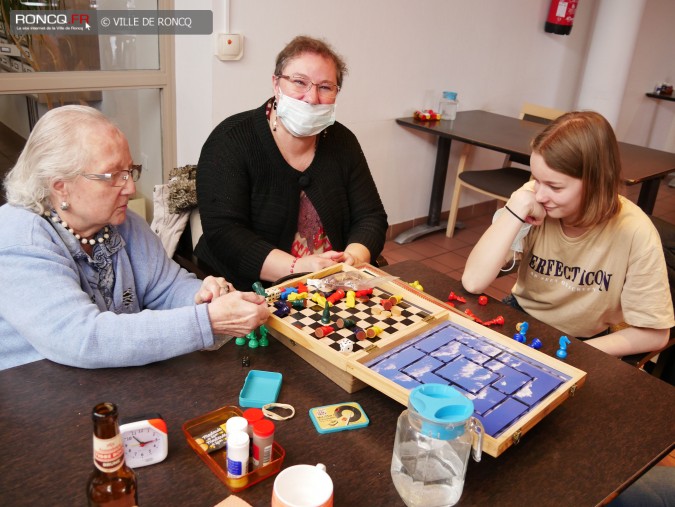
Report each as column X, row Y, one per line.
column 448, row 255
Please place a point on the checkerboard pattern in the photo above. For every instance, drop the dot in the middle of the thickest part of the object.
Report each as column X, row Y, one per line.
column 309, row 319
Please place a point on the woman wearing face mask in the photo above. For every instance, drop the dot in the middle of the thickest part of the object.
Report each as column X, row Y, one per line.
column 283, row 188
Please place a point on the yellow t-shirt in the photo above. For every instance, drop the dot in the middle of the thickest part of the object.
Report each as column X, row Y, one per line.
column 613, row 273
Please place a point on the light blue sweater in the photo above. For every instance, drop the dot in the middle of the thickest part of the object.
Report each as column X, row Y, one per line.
column 51, row 307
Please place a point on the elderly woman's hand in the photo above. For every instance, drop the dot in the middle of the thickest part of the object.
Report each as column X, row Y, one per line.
column 237, row 313
column 212, row 288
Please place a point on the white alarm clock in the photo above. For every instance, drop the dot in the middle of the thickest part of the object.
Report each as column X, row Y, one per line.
column 145, row 440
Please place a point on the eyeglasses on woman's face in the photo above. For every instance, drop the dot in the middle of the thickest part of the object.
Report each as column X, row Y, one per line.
column 299, row 83
column 119, row 178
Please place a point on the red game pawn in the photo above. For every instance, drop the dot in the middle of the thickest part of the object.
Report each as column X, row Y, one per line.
column 302, row 288
column 323, row 331
column 497, row 320
column 386, row 304
column 336, row 296
column 454, row 297
column 359, row 333
column 473, row 316
column 482, row 300
column 363, row 293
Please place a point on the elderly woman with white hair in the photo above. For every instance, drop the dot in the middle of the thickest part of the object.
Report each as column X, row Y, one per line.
column 85, row 282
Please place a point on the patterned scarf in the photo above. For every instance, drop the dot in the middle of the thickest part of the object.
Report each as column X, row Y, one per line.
column 101, row 259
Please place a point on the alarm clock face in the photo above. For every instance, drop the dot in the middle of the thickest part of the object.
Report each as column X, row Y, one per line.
column 145, row 442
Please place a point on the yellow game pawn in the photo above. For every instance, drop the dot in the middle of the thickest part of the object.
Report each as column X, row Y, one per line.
column 373, row 331
column 416, row 285
column 295, row 296
column 319, row 299
column 351, row 299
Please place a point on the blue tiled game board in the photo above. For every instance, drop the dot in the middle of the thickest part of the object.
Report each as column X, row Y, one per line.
column 503, row 384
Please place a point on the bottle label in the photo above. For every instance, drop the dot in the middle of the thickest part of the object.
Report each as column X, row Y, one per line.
column 235, row 468
column 262, row 455
column 108, row 453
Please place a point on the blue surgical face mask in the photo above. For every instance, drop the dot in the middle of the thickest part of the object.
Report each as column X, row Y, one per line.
column 302, row 119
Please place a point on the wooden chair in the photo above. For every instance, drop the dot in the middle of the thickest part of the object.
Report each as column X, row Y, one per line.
column 496, row 183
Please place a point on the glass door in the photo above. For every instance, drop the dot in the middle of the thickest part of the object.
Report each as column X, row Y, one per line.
column 129, row 77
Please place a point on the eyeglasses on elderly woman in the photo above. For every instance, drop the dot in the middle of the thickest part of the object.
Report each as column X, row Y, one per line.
column 119, row 178
column 302, row 84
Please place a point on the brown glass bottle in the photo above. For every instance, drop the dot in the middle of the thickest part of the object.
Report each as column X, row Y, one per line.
column 112, row 483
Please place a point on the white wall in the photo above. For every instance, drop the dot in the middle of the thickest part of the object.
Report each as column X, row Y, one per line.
column 496, row 55
column 643, row 120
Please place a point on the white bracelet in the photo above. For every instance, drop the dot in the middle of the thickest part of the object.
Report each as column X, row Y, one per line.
column 275, row 416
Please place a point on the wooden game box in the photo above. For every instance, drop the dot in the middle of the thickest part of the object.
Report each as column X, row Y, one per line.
column 513, row 386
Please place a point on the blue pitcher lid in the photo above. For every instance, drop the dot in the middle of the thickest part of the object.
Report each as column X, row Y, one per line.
column 450, row 95
column 443, row 407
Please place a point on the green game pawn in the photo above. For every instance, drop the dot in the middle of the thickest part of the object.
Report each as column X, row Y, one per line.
column 263, row 331
column 298, row 304
column 252, row 340
column 345, row 323
column 325, row 318
column 264, row 341
column 240, row 340
column 259, row 289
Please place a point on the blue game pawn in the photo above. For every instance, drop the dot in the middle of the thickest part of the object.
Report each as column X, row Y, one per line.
column 562, row 351
column 523, row 328
column 519, row 338
column 282, row 309
column 536, row 343
column 287, row 291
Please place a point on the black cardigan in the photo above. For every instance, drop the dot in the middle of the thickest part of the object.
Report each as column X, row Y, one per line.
column 249, row 196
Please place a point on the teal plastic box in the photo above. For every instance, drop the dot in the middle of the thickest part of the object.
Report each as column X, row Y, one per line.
column 260, row 388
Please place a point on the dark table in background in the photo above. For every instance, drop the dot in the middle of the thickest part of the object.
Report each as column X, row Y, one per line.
column 617, row 425
column 512, row 136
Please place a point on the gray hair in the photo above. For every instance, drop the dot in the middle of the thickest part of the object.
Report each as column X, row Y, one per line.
column 54, row 151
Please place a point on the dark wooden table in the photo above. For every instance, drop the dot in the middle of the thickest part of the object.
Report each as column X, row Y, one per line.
column 617, row 425
column 512, row 136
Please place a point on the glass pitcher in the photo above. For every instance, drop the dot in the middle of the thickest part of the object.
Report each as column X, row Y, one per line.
column 434, row 437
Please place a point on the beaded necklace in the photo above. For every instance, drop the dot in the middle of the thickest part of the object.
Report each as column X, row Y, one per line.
column 100, row 236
